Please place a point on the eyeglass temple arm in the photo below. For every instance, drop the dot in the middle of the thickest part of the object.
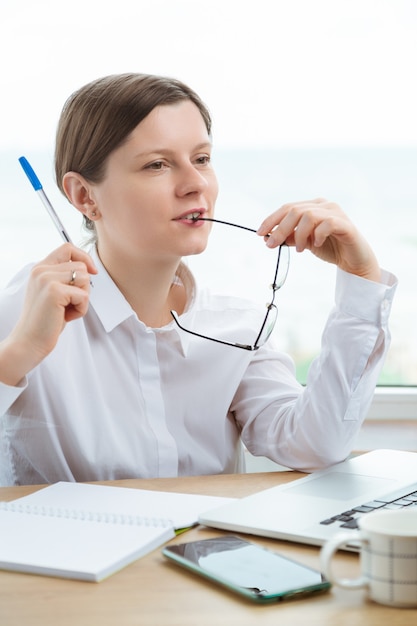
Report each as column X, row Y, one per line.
column 211, row 219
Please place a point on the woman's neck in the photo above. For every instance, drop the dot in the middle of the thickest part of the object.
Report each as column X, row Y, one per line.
column 149, row 288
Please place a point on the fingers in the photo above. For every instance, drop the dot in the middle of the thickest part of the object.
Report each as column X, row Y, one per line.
column 61, row 291
column 322, row 227
column 64, row 285
column 68, row 252
column 311, row 228
column 81, row 265
column 305, row 224
column 58, row 292
column 293, row 210
column 71, row 274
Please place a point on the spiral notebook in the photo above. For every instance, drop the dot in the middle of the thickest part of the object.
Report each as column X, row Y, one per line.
column 88, row 532
column 79, row 545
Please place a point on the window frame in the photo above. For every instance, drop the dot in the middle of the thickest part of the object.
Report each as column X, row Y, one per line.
column 394, row 403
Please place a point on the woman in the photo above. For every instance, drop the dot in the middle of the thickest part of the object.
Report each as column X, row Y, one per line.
column 100, row 382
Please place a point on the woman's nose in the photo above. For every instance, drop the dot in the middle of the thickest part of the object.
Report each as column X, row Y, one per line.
column 191, row 180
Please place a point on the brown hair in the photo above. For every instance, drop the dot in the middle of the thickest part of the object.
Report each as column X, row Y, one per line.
column 99, row 117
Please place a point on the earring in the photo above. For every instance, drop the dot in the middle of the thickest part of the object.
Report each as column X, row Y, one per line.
column 93, row 214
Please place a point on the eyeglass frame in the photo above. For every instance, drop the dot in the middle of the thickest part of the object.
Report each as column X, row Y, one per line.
column 270, row 307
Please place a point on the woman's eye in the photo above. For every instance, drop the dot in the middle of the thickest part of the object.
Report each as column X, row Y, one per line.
column 156, row 165
column 204, row 159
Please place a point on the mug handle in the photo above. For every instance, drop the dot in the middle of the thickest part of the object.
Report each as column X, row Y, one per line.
column 327, row 552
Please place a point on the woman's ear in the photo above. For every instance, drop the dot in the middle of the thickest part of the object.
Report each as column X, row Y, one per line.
column 79, row 193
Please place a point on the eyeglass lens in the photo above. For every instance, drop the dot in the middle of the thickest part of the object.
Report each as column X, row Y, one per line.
column 268, row 324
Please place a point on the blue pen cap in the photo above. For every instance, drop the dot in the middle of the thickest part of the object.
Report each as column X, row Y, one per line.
column 27, row 168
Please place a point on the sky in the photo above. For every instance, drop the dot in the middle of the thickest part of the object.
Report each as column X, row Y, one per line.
column 274, row 73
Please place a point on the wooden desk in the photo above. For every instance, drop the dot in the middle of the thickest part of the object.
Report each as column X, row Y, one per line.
column 154, row 592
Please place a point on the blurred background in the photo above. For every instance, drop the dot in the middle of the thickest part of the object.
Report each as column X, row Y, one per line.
column 308, row 99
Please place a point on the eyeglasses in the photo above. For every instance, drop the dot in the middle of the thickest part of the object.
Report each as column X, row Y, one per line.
column 268, row 324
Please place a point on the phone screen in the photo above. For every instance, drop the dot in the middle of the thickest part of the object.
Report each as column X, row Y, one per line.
column 246, row 568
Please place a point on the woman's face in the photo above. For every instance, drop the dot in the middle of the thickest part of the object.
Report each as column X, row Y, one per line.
column 155, row 183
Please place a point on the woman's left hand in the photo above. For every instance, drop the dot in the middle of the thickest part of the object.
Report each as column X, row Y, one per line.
column 322, row 227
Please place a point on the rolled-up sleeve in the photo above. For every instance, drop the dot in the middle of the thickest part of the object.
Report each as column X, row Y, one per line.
column 315, row 426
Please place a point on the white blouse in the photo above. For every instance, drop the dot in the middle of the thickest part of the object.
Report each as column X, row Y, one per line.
column 117, row 399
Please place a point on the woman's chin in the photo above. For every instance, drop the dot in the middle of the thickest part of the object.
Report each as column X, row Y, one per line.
column 194, row 252
column 195, row 248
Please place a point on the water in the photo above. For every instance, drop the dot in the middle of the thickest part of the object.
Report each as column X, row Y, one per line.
column 375, row 187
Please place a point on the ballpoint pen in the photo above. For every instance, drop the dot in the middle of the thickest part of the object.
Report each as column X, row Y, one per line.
column 36, row 184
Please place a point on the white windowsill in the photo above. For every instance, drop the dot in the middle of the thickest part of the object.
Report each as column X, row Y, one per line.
column 391, row 403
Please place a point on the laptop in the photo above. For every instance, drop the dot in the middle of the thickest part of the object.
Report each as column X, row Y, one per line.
column 313, row 508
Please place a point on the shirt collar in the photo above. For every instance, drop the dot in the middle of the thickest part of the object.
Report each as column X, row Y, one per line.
column 113, row 309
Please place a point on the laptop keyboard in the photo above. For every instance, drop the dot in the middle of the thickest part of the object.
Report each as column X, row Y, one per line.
column 394, row 500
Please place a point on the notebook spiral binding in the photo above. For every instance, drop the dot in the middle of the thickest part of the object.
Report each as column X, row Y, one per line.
column 104, row 517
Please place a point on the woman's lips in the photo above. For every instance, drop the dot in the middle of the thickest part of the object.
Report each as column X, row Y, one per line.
column 191, row 216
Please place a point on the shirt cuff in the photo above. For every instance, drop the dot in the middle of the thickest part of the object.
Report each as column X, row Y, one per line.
column 9, row 395
column 365, row 299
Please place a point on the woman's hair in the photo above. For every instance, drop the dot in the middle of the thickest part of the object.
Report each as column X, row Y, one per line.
column 99, row 117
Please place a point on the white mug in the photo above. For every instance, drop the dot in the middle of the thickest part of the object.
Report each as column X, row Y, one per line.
column 388, row 557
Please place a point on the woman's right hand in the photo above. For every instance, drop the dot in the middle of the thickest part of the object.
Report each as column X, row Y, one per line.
column 57, row 293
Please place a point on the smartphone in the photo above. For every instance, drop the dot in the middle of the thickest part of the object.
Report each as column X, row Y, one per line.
column 248, row 569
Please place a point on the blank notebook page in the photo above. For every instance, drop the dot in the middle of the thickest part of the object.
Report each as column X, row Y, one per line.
column 69, row 546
